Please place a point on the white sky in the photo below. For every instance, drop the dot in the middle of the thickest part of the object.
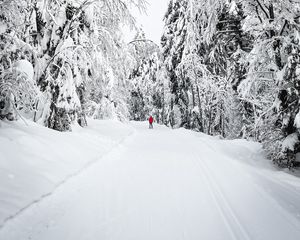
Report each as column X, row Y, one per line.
column 151, row 22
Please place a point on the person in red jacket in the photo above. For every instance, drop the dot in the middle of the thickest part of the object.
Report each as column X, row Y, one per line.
column 151, row 122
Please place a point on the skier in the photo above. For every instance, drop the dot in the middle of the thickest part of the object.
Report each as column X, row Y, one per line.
column 150, row 122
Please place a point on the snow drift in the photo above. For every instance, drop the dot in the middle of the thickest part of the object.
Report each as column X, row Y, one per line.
column 34, row 160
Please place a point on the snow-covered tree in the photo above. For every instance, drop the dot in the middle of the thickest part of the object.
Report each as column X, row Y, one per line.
column 17, row 87
column 146, row 80
column 68, row 40
column 173, row 43
column 271, row 83
column 201, row 54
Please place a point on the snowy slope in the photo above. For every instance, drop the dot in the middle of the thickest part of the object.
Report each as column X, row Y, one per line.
column 167, row 185
column 35, row 160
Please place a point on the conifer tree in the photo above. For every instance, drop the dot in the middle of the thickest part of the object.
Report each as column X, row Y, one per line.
column 173, row 42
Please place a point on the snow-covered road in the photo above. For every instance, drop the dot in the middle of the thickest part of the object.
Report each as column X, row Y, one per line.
column 167, row 185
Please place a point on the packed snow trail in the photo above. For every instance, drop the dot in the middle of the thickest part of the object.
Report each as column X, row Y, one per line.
column 167, row 184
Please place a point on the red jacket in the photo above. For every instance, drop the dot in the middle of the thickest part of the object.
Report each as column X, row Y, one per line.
column 150, row 119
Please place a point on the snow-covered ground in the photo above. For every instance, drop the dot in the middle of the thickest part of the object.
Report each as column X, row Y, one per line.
column 158, row 185
column 35, row 160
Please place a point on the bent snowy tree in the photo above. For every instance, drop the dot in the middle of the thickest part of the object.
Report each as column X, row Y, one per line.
column 67, row 41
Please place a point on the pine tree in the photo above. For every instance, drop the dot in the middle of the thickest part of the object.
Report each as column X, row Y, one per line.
column 173, row 42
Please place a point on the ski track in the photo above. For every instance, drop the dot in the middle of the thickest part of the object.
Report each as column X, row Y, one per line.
column 163, row 185
column 227, row 213
column 283, row 189
column 248, row 174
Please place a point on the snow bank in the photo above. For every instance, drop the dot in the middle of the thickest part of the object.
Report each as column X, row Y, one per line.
column 3, row 27
column 34, row 160
column 25, row 67
column 290, row 141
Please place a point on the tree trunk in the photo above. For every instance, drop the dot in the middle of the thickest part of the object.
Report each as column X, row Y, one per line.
column 201, row 129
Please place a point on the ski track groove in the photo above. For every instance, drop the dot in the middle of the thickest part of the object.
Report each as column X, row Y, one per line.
column 225, row 209
column 216, row 201
column 259, row 190
column 64, row 181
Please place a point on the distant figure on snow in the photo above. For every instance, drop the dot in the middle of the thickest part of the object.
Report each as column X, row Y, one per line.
column 150, row 122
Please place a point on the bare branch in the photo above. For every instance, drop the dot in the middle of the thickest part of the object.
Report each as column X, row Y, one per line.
column 263, row 9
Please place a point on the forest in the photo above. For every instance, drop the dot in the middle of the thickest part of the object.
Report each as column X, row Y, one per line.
column 228, row 68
